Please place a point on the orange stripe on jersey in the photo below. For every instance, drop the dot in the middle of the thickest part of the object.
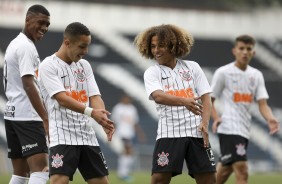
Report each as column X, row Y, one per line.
column 80, row 96
column 242, row 97
column 185, row 93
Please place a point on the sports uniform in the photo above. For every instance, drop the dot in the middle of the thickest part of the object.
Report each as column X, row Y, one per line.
column 21, row 119
column 237, row 90
column 70, row 132
column 177, row 126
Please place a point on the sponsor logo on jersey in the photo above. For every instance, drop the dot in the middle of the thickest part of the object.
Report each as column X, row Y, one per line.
column 163, row 159
column 186, row 93
column 242, row 97
column 80, row 96
column 240, row 149
column 57, row 161
column 10, row 111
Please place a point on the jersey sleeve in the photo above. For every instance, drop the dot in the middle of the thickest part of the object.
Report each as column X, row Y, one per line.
column 201, row 81
column 49, row 78
column 261, row 92
column 26, row 58
column 217, row 83
column 93, row 88
column 152, row 81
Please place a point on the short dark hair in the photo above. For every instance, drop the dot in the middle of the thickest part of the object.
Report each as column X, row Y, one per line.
column 245, row 39
column 76, row 29
column 38, row 9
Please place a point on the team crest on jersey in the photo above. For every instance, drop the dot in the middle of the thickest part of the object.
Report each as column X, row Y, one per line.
column 57, row 161
column 186, row 75
column 80, row 75
column 163, row 159
column 240, row 149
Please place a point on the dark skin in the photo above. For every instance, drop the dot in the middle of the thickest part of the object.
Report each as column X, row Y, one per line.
column 36, row 25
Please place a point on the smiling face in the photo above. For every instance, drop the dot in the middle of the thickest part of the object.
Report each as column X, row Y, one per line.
column 162, row 53
column 243, row 53
column 77, row 47
column 36, row 25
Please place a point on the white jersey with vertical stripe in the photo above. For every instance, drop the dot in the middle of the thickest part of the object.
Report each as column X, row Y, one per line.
column 68, row 127
column 237, row 89
column 21, row 58
column 186, row 80
column 125, row 117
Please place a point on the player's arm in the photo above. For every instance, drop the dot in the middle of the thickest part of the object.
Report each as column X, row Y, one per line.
column 96, row 102
column 216, row 118
column 207, row 107
column 35, row 99
column 266, row 112
column 191, row 104
column 100, row 115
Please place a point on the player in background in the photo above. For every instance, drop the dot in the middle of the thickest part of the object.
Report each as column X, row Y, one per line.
column 238, row 84
column 126, row 119
column 181, row 94
column 68, row 87
column 24, row 111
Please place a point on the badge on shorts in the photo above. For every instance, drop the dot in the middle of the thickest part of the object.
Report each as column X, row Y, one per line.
column 163, row 159
column 57, row 161
column 240, row 149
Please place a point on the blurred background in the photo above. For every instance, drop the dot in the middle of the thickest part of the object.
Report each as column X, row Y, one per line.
column 119, row 69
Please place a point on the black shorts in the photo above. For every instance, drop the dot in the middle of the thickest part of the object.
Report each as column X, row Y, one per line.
column 170, row 153
column 25, row 138
column 65, row 159
column 233, row 148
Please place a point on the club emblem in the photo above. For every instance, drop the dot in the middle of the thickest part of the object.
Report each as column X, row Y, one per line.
column 241, row 149
column 163, row 159
column 57, row 161
column 186, row 75
column 80, row 75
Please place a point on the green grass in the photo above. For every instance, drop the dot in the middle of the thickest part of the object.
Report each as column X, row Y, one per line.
column 144, row 178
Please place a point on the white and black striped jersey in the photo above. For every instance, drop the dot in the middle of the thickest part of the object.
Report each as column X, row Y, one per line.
column 186, row 80
column 237, row 89
column 125, row 117
column 68, row 127
column 21, row 58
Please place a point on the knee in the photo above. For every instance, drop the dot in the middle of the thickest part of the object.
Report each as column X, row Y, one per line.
column 160, row 179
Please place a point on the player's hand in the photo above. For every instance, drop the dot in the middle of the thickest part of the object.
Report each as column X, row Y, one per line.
column 273, row 126
column 204, row 130
column 46, row 128
column 101, row 117
column 109, row 133
column 215, row 124
column 194, row 106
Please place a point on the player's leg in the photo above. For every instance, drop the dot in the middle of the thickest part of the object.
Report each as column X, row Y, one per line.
column 63, row 162
column 200, row 161
column 34, row 149
column 20, row 166
column 125, row 161
column 168, row 158
column 93, row 166
column 241, row 172
column 223, row 173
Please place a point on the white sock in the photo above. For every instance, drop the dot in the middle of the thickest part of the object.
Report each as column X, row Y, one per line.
column 18, row 180
column 124, row 165
column 38, row 178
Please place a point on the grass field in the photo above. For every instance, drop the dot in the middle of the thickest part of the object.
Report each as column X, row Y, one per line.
column 144, row 178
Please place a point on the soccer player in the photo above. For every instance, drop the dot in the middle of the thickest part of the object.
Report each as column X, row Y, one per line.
column 238, row 84
column 181, row 92
column 68, row 86
column 24, row 111
column 126, row 119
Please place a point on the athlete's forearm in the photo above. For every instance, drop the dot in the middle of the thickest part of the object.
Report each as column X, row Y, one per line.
column 34, row 97
column 207, row 108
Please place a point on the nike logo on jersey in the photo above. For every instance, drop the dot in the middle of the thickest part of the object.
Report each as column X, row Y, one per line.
column 63, row 76
column 164, row 78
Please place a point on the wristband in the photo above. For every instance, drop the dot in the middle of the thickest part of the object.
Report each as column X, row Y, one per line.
column 88, row 111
